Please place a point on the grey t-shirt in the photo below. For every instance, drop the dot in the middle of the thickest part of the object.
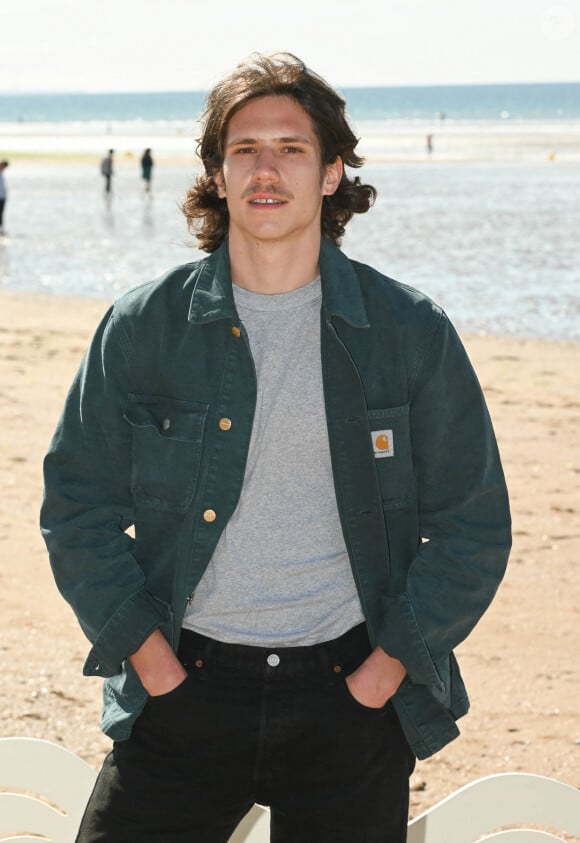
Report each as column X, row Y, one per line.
column 280, row 573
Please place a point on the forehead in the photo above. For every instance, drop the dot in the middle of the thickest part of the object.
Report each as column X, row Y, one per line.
column 271, row 117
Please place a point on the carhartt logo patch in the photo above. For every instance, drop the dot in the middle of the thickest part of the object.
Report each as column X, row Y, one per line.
column 383, row 444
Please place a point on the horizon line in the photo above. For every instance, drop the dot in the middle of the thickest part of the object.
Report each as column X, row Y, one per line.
column 204, row 91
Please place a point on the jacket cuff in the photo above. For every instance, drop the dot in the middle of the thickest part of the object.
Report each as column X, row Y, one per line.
column 400, row 637
column 124, row 633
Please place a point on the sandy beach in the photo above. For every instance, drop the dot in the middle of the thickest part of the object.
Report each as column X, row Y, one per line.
column 521, row 663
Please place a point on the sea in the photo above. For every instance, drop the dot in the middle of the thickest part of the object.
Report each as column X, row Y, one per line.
column 487, row 222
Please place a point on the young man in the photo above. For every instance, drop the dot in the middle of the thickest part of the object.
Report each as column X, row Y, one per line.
column 319, row 510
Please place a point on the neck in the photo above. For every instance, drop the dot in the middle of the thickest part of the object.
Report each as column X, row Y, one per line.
column 273, row 267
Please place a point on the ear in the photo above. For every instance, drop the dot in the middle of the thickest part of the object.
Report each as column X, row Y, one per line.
column 218, row 179
column 332, row 177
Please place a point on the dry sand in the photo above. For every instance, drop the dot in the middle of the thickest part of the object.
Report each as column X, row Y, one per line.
column 521, row 663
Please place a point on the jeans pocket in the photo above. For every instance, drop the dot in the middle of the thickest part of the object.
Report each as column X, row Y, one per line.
column 162, row 723
column 360, row 707
column 171, row 696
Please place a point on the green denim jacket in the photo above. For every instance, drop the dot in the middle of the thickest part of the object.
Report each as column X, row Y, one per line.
column 427, row 527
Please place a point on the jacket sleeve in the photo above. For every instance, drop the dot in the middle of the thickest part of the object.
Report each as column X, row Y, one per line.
column 464, row 518
column 87, row 508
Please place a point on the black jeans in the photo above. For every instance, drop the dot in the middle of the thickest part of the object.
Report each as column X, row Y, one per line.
column 275, row 726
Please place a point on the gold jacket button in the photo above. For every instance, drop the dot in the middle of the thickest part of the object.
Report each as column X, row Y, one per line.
column 236, row 331
column 209, row 515
column 225, row 424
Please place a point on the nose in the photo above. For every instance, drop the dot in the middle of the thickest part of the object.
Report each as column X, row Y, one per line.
column 265, row 168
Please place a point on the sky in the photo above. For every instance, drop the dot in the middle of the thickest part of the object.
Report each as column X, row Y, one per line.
column 144, row 45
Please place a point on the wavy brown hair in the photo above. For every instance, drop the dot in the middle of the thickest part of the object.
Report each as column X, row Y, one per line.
column 281, row 74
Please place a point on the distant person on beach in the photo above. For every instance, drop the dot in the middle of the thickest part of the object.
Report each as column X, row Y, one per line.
column 147, row 169
column 3, row 194
column 429, row 144
column 107, row 169
column 274, row 501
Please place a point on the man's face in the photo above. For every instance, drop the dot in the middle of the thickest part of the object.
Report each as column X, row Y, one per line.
column 272, row 177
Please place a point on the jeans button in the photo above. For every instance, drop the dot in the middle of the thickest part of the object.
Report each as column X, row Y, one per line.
column 273, row 660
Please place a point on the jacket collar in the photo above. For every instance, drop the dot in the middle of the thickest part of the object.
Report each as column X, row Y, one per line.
column 212, row 296
column 341, row 292
column 213, row 299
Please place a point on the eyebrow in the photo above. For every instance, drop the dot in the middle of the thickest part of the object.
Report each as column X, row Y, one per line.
column 290, row 139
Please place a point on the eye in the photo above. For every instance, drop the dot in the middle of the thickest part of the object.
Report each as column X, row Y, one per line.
column 291, row 149
column 242, row 150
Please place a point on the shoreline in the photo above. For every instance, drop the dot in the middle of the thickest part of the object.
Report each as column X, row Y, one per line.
column 520, row 663
column 56, row 304
column 380, row 140
column 19, row 297
column 543, row 157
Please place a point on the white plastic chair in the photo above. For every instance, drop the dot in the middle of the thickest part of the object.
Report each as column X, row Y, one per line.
column 471, row 814
column 474, row 812
column 254, row 828
column 44, row 789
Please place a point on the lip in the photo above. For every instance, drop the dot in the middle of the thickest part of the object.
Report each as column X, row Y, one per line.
column 266, row 200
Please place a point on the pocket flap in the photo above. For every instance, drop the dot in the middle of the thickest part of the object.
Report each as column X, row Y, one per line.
column 171, row 418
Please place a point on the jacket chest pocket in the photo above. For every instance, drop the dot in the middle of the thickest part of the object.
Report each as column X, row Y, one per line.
column 167, row 441
column 391, row 442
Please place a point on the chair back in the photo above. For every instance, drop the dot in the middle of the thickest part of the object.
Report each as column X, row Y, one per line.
column 44, row 789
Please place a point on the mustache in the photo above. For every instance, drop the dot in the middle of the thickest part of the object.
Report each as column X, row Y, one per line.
column 270, row 189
